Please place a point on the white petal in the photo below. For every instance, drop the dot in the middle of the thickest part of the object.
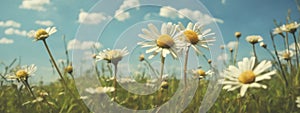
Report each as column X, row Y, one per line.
column 165, row 52
column 234, row 88
column 163, row 28
column 257, row 85
column 152, row 49
column 263, row 66
column 227, row 87
column 52, row 30
column 154, row 30
column 243, row 90
column 265, row 76
column 189, row 26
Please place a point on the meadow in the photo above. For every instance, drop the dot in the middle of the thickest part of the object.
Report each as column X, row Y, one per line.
column 249, row 85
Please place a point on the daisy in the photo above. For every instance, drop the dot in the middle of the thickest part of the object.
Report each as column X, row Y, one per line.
column 193, row 36
column 159, row 41
column 246, row 75
column 298, row 101
column 277, row 30
column 237, row 34
column 112, row 56
column 100, row 90
column 43, row 34
column 23, row 73
column 286, row 55
column 291, row 27
column 199, row 73
column 253, row 39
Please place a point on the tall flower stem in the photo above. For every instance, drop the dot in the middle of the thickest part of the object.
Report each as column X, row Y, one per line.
column 162, row 66
column 280, row 65
column 151, row 67
column 60, row 74
column 185, row 65
column 254, row 52
column 28, row 88
column 115, row 80
column 236, row 50
column 296, row 48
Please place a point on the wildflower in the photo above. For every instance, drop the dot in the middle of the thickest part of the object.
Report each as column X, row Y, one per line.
column 69, row 69
column 193, row 36
column 112, row 56
column 286, row 55
column 164, row 85
column 291, row 27
column 247, row 75
column 199, row 73
column 100, row 90
column 230, row 50
column 43, row 34
column 142, row 57
column 262, row 44
column 253, row 39
column 237, row 34
column 277, row 30
column 159, row 41
column 298, row 101
column 209, row 61
column 23, row 73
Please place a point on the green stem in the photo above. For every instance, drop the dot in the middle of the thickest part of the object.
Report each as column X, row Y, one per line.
column 296, row 48
column 58, row 71
column 254, row 52
column 236, row 51
column 185, row 64
column 115, row 80
column 151, row 67
column 280, row 65
column 162, row 66
column 28, row 88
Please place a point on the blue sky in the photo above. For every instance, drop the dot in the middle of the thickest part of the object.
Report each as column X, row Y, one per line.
column 251, row 17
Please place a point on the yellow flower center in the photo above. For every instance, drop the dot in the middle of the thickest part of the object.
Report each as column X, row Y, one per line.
column 165, row 41
column 69, row 69
column 21, row 74
column 201, row 72
column 237, row 34
column 164, row 85
column 247, row 77
column 41, row 34
column 191, row 36
column 286, row 56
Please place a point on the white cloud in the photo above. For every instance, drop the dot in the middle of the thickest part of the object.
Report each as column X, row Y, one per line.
column 12, row 31
column 6, row 41
column 10, row 23
column 82, row 45
column 170, row 12
column 223, row 1
column 232, row 44
column 44, row 23
column 38, row 5
column 91, row 18
column 292, row 46
column 120, row 14
column 223, row 57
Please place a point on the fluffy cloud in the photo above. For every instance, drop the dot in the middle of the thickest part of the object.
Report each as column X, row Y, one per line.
column 38, row 5
column 10, row 23
column 91, row 18
column 12, row 31
column 82, row 45
column 6, row 41
column 170, row 12
column 232, row 44
column 223, row 57
column 120, row 14
column 292, row 46
column 44, row 23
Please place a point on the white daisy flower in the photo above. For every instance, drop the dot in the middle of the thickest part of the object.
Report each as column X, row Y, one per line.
column 298, row 101
column 112, row 56
column 23, row 73
column 292, row 46
column 159, row 41
column 193, row 36
column 253, row 39
column 277, row 30
column 262, row 44
column 199, row 73
column 100, row 90
column 291, row 27
column 246, row 75
column 42, row 34
column 286, row 54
